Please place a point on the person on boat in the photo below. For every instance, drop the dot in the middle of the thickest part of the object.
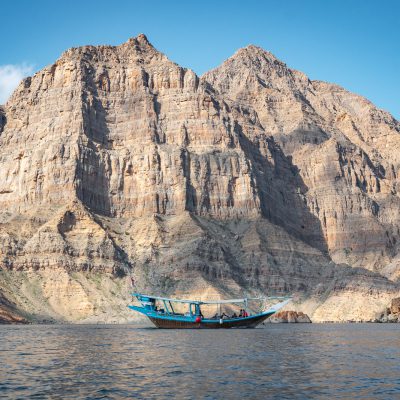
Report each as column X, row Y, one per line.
column 245, row 314
column 241, row 313
column 216, row 316
column 224, row 316
column 234, row 315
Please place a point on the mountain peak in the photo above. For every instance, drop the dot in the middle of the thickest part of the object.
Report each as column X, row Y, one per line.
column 252, row 49
column 251, row 58
column 140, row 40
column 254, row 55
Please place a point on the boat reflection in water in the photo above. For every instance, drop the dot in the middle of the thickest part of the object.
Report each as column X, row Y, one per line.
column 167, row 313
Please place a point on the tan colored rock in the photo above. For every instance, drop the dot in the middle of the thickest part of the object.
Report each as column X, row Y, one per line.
column 289, row 317
column 10, row 317
column 344, row 148
column 253, row 178
column 8, row 312
column 395, row 306
column 390, row 314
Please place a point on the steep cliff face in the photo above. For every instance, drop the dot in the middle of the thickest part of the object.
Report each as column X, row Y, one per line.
column 345, row 149
column 115, row 160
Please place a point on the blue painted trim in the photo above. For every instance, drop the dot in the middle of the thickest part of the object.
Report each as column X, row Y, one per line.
column 154, row 314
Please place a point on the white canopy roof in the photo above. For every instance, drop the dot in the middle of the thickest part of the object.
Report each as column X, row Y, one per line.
column 244, row 300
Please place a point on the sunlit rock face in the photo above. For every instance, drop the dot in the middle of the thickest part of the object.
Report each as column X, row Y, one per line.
column 251, row 178
column 345, row 149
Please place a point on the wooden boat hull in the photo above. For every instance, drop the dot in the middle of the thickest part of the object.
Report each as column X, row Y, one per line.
column 249, row 322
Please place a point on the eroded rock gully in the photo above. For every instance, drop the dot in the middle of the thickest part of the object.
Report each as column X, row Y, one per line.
column 251, row 178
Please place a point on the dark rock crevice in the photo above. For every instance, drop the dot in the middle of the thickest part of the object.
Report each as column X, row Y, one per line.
column 3, row 119
column 281, row 190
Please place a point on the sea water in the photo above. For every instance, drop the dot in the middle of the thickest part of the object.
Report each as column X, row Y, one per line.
column 304, row 361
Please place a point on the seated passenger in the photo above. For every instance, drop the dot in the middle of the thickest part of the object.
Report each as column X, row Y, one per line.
column 234, row 315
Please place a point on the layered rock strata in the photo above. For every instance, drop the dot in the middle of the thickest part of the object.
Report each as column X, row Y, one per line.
column 8, row 313
column 251, row 179
column 346, row 151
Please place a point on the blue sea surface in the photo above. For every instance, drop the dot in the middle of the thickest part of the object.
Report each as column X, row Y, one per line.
column 278, row 361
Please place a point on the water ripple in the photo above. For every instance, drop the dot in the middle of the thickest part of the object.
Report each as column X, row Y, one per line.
column 279, row 361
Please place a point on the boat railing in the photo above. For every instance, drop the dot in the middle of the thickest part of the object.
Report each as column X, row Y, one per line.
column 167, row 307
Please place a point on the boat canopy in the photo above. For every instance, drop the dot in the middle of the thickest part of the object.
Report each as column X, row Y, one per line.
column 229, row 301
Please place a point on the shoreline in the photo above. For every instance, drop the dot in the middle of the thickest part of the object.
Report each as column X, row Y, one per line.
column 142, row 324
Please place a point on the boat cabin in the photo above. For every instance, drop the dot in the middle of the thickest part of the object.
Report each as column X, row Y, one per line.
column 161, row 305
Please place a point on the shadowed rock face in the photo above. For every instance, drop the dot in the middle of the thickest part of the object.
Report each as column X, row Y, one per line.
column 252, row 177
column 2, row 118
column 345, row 150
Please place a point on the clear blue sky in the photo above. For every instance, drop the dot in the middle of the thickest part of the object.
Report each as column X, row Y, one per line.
column 355, row 43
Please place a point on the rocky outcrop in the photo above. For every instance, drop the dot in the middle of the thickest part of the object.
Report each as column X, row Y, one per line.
column 289, row 317
column 115, row 160
column 391, row 314
column 395, row 306
column 8, row 312
column 9, row 317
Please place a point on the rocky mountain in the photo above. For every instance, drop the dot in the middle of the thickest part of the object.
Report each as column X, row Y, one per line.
column 116, row 161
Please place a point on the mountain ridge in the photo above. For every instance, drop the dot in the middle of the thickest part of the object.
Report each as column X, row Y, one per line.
column 115, row 160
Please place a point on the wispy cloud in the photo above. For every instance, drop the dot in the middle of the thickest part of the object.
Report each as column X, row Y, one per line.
column 10, row 77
